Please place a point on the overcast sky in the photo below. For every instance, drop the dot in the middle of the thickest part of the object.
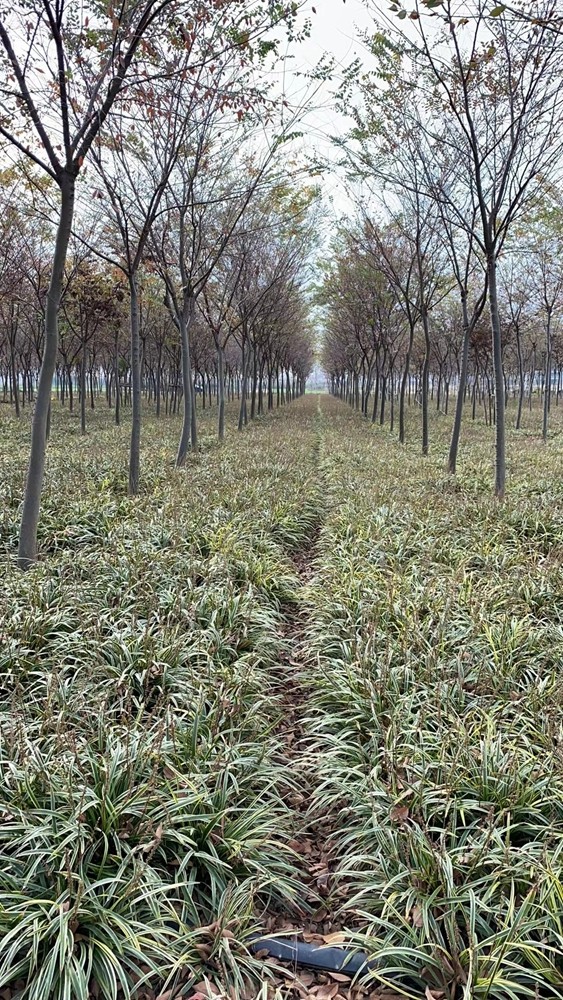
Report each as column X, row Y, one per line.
column 335, row 29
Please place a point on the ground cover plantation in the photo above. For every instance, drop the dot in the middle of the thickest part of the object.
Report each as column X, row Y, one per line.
column 140, row 789
column 435, row 639
column 157, row 807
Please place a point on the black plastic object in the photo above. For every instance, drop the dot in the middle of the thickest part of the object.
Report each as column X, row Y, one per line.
column 314, row 956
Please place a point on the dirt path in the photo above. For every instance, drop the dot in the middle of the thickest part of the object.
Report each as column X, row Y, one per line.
column 317, row 921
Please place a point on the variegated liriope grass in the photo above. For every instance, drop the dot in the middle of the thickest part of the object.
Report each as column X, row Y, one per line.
column 143, row 827
column 143, row 803
column 435, row 641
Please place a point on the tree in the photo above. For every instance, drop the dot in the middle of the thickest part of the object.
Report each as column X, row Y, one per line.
column 388, row 147
column 545, row 248
column 497, row 82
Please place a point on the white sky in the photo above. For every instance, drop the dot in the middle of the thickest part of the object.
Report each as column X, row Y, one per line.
column 335, row 30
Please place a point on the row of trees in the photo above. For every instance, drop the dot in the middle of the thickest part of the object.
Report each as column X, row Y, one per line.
column 252, row 339
column 457, row 142
column 148, row 135
column 369, row 356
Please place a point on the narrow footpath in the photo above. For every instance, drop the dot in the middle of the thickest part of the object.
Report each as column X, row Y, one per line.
column 316, row 921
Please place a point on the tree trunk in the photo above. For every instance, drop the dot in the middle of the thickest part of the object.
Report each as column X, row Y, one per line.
column 27, row 551
column 15, row 380
column 194, row 413
column 454, row 444
column 188, row 416
column 158, row 387
column 242, row 411
column 425, row 373
column 135, row 446
column 405, row 379
column 500, row 454
column 532, row 378
column 375, row 395
column 221, row 390
column 70, row 390
column 117, row 386
column 547, row 390
column 261, row 390
column 520, row 378
column 83, row 390
column 254, row 384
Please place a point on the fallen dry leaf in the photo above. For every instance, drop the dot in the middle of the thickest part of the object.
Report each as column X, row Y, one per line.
column 336, row 938
column 300, row 846
column 203, row 950
column 399, row 814
column 305, row 979
column 325, row 992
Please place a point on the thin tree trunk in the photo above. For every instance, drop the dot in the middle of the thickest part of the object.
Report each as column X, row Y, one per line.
column 521, row 380
column 254, row 384
column 15, row 381
column 194, row 413
column 27, row 551
column 500, row 454
column 405, row 379
column 532, row 379
column 188, row 416
column 158, row 387
column 70, row 390
column 242, row 411
column 547, row 390
column 454, row 444
column 221, row 390
column 375, row 395
column 117, row 386
column 383, row 398
column 83, row 390
column 425, row 372
column 135, row 446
